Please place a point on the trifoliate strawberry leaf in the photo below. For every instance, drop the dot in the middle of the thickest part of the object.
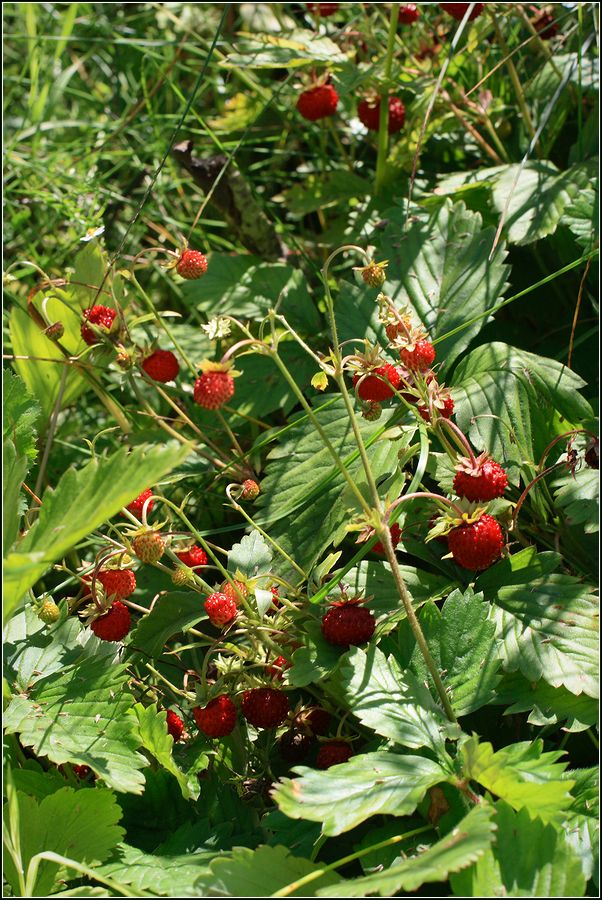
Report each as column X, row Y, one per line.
column 528, row 859
column 152, row 734
column 79, row 716
column 521, row 774
column 81, row 501
column 367, row 785
column 439, row 266
column 506, row 398
column 545, row 704
column 463, row 644
column 171, row 614
column 548, row 628
column 577, row 495
column 81, row 825
column 261, row 873
column 251, row 557
column 462, row 847
column 393, row 703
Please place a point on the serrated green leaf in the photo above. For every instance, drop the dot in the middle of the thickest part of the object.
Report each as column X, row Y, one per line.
column 81, row 501
column 248, row 287
column 259, row 873
column 520, row 774
column 581, row 216
column 578, row 496
column 152, row 734
column 79, row 716
column 539, row 198
column 317, row 660
column 21, row 412
column 529, row 859
column 393, row 703
column 503, row 395
column 367, row 785
column 548, row 629
column 252, row 557
column 14, row 470
column 171, row 614
column 439, row 265
column 167, row 875
column 545, row 704
column 581, row 825
column 462, row 641
column 462, row 847
column 81, row 825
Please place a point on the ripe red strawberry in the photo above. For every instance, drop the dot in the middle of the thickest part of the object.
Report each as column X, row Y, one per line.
column 420, row 358
column 332, row 753
column 135, row 507
column 318, row 102
column 348, row 623
column 191, row 264
column 250, row 490
column 374, row 388
column 322, row 9
column 194, row 556
column 220, row 609
column 162, row 366
column 148, row 546
column 446, row 409
column 368, row 112
column 82, row 772
column 294, row 745
column 217, row 719
column 102, row 317
column 175, row 726
column 118, row 583
column 395, row 532
column 457, row 10
column 265, row 707
column 477, row 545
column 115, row 623
column 213, row 389
column 48, row 612
column 232, row 590
column 408, row 14
column 484, row 481
column 316, row 719
column 276, row 669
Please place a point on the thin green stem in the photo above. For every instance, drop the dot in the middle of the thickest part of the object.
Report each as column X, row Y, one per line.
column 383, row 121
column 312, row 876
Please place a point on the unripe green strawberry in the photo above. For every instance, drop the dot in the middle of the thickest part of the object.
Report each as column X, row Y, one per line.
column 49, row 612
column 180, row 576
column 148, row 546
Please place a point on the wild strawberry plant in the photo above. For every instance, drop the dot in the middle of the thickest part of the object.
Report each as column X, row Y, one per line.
column 301, row 451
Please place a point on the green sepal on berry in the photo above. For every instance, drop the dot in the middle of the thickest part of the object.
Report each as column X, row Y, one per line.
column 447, row 521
